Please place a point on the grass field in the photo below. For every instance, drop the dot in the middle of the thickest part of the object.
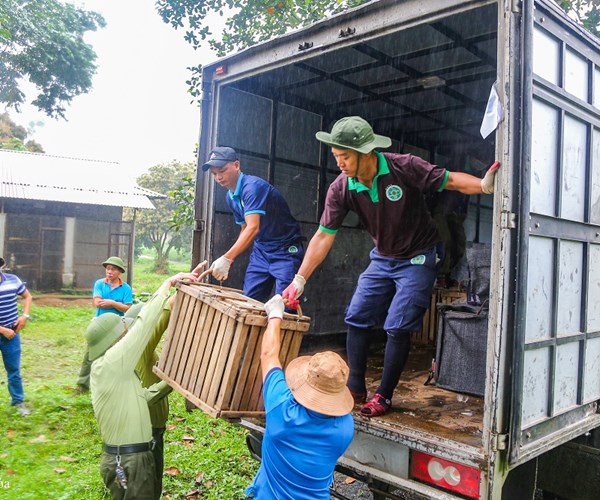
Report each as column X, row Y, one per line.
column 54, row 452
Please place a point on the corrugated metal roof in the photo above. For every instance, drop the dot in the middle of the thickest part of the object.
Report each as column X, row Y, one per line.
column 36, row 176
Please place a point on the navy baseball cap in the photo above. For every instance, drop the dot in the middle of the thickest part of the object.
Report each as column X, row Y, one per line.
column 219, row 157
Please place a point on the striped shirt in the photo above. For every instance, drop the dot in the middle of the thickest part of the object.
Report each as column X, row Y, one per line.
column 10, row 287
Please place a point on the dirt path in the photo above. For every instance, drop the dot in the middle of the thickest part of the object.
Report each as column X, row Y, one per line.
column 57, row 300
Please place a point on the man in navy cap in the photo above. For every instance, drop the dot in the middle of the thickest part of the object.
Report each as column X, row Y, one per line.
column 266, row 224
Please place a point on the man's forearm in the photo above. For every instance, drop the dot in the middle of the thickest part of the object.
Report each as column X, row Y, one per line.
column 318, row 249
column 157, row 391
column 271, row 344
column 244, row 241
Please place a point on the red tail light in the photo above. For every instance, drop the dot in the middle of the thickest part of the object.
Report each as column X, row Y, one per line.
column 445, row 474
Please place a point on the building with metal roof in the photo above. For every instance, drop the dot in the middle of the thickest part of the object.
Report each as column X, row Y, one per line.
column 60, row 217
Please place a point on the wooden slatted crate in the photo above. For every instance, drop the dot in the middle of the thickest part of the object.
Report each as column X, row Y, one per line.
column 427, row 335
column 211, row 352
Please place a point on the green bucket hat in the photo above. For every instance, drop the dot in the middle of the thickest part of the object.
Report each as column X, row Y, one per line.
column 115, row 261
column 354, row 132
column 103, row 330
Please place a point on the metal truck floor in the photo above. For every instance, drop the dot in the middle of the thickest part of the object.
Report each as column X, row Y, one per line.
column 451, row 415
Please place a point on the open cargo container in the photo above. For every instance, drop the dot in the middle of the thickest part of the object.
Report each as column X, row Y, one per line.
column 421, row 73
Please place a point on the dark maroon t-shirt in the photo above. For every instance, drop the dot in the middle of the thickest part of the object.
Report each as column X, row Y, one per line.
column 393, row 211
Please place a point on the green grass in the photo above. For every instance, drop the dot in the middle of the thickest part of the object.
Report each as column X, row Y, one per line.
column 54, row 452
column 146, row 281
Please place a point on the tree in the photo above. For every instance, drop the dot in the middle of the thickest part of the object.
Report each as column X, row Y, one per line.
column 587, row 12
column 42, row 41
column 12, row 136
column 183, row 196
column 158, row 228
column 251, row 21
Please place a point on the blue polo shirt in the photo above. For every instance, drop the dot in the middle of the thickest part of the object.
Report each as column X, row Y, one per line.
column 121, row 293
column 10, row 287
column 253, row 195
column 300, row 447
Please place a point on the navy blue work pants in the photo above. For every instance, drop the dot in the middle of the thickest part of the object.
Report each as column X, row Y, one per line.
column 266, row 269
column 393, row 293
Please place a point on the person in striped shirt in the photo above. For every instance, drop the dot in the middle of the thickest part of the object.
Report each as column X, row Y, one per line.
column 11, row 324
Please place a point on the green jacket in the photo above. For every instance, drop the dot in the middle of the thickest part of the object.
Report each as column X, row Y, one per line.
column 119, row 400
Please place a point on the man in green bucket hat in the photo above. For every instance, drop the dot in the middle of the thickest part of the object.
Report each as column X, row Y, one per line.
column 386, row 191
column 121, row 405
column 110, row 295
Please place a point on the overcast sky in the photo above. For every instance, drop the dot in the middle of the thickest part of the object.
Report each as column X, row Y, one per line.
column 139, row 112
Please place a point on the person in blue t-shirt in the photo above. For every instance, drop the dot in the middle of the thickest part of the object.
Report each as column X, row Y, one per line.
column 111, row 294
column 309, row 424
column 266, row 224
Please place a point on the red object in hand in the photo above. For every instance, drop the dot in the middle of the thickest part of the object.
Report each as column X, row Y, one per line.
column 292, row 304
column 495, row 166
column 289, row 297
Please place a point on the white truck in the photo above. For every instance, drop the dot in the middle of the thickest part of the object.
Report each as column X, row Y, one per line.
column 422, row 72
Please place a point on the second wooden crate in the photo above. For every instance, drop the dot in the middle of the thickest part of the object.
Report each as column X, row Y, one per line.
column 211, row 353
column 427, row 335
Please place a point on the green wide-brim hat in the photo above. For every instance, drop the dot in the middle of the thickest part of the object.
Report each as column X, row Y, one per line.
column 102, row 332
column 115, row 261
column 354, row 132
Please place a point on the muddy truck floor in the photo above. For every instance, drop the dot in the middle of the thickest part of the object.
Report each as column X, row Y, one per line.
column 425, row 408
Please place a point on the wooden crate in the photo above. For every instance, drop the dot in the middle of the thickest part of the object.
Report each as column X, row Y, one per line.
column 427, row 335
column 211, row 352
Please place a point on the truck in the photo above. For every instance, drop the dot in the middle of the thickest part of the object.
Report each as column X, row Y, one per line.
column 424, row 73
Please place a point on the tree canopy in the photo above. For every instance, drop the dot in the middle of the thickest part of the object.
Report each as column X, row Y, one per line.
column 586, row 11
column 42, row 41
column 251, row 21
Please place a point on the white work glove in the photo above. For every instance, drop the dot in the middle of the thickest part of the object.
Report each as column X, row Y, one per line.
column 220, row 268
column 275, row 307
column 487, row 183
column 295, row 288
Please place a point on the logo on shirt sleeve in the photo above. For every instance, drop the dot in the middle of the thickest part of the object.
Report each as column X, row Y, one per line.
column 393, row 192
